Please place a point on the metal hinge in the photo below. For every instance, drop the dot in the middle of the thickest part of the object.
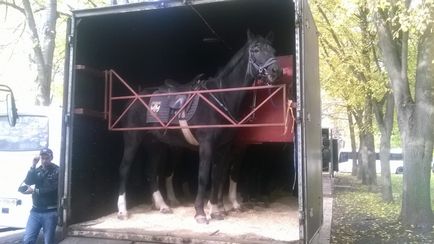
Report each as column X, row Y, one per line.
column 299, row 119
column 298, row 20
column 301, row 223
column 301, row 216
column 63, row 203
column 67, row 119
column 70, row 40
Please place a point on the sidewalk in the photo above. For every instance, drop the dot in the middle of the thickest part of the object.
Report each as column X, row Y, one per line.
column 327, row 186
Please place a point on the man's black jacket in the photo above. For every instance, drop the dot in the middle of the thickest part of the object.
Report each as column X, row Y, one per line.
column 46, row 183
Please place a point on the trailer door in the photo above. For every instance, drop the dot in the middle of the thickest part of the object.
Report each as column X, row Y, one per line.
column 309, row 124
column 65, row 155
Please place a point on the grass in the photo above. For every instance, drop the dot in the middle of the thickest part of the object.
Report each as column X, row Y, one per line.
column 360, row 215
column 397, row 189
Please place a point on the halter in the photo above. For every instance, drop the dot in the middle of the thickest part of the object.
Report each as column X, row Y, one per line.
column 262, row 69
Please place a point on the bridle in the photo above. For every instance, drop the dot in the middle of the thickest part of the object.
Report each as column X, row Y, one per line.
column 262, row 74
column 261, row 69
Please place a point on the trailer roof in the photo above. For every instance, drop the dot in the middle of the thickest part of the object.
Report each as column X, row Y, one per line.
column 170, row 39
column 141, row 6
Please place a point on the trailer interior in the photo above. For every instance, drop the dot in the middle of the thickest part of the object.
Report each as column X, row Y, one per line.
column 147, row 43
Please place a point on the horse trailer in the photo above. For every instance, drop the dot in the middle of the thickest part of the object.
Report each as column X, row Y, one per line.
column 114, row 53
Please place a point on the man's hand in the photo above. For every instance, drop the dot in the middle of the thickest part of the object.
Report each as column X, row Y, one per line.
column 35, row 161
column 29, row 190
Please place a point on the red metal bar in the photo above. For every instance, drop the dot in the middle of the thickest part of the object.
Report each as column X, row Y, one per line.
column 200, row 126
column 105, row 94
column 218, row 110
column 260, row 105
column 123, row 113
column 110, row 102
column 135, row 96
column 181, row 109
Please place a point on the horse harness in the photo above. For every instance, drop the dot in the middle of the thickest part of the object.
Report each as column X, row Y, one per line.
column 166, row 106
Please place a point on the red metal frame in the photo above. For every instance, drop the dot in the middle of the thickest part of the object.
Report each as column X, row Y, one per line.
column 114, row 125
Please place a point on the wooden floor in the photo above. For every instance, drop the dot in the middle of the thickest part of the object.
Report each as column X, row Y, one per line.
column 277, row 223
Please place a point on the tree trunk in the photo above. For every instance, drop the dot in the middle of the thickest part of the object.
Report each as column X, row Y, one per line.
column 418, row 147
column 43, row 48
column 367, row 149
column 385, row 124
column 415, row 120
column 354, row 171
column 370, row 149
column 362, row 160
column 370, row 144
column 367, row 155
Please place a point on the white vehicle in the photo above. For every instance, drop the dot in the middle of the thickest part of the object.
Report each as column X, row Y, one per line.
column 35, row 128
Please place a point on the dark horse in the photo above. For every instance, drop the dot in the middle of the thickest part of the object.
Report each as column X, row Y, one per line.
column 254, row 61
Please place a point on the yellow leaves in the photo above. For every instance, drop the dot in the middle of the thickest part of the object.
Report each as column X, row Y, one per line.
column 360, row 216
column 414, row 18
column 384, row 4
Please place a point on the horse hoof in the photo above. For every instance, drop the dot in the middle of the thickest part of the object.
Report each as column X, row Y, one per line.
column 166, row 211
column 123, row 216
column 238, row 210
column 201, row 220
column 218, row 216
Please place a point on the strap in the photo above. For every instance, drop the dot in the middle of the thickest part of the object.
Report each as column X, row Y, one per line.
column 186, row 131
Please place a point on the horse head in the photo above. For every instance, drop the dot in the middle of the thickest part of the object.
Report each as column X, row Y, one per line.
column 262, row 61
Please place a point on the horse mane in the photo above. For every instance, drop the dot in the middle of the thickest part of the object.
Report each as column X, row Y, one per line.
column 233, row 62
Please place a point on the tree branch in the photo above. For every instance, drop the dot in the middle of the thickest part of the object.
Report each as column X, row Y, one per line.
column 425, row 70
column 329, row 24
column 34, row 32
column 13, row 5
column 392, row 61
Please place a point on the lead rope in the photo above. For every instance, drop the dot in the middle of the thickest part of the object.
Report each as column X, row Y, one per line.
column 253, row 106
column 289, row 110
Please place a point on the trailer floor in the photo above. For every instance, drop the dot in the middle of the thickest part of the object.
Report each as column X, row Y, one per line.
column 278, row 222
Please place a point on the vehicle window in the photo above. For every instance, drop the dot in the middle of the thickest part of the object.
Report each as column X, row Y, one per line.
column 29, row 134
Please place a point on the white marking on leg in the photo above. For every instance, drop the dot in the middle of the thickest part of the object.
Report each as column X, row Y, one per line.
column 159, row 201
column 169, row 189
column 122, row 205
column 233, row 194
column 213, row 208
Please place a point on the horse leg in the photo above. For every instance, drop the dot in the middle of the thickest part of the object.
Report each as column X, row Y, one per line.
column 174, row 158
column 156, row 153
column 132, row 141
column 217, row 210
column 236, row 162
column 205, row 157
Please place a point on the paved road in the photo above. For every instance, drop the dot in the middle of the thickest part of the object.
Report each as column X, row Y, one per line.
column 15, row 236
column 9, row 235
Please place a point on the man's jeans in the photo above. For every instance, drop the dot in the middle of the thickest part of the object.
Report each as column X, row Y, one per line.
column 47, row 221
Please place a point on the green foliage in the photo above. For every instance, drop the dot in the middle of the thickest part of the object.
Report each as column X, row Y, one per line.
column 350, row 68
column 413, row 20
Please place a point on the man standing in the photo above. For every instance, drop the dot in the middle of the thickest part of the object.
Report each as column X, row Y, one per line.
column 43, row 215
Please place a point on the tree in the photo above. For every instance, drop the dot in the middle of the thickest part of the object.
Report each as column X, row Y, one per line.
column 346, row 48
column 41, row 19
column 384, row 111
column 43, row 47
column 43, row 42
column 398, row 24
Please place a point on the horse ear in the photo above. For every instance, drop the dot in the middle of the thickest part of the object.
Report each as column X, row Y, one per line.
column 270, row 36
column 250, row 35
